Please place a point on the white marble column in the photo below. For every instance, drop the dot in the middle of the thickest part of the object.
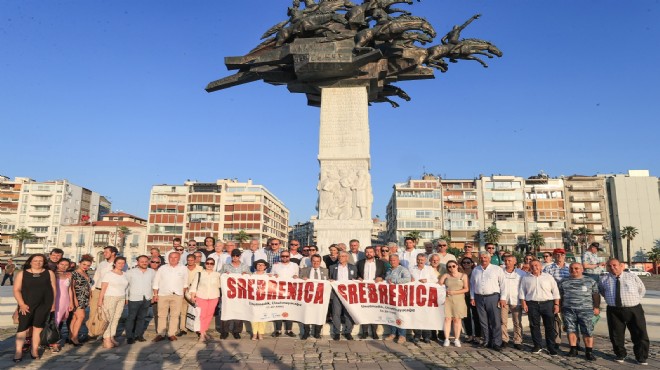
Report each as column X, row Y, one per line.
column 344, row 186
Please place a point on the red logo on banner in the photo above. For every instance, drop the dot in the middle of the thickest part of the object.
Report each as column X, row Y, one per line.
column 399, row 322
column 285, row 314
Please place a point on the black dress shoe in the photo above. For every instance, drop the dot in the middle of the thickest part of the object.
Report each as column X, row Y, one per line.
column 290, row 334
column 130, row 341
column 140, row 339
column 426, row 340
column 317, row 336
column 335, row 337
column 536, row 349
column 376, row 337
column 497, row 348
column 362, row 336
column 224, row 335
column 590, row 356
column 305, row 336
column 236, row 336
column 181, row 333
column 348, row 336
column 415, row 340
column 276, row 334
column 572, row 353
column 518, row 346
column 552, row 351
column 505, row 344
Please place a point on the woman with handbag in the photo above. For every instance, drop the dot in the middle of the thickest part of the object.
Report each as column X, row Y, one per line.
column 112, row 299
column 82, row 288
column 34, row 291
column 205, row 293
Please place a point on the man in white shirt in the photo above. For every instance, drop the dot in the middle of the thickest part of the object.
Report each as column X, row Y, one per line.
column 218, row 256
column 105, row 266
column 254, row 253
column 341, row 271
column 487, row 288
column 408, row 257
column 140, row 282
column 294, row 246
column 539, row 296
column 284, row 270
column 170, row 284
column 355, row 255
column 444, row 256
column 370, row 269
column 512, row 278
column 422, row 273
column 315, row 272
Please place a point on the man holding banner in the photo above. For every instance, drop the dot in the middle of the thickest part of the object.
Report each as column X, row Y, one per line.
column 341, row 272
column 397, row 275
column 370, row 269
column 316, row 272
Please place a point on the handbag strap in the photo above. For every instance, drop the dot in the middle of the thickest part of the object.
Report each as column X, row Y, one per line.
column 199, row 277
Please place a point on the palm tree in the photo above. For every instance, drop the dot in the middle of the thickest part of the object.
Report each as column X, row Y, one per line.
column 654, row 255
column 242, row 237
column 582, row 234
column 122, row 233
column 446, row 238
column 492, row 234
column 629, row 233
column 415, row 234
column 21, row 235
column 536, row 240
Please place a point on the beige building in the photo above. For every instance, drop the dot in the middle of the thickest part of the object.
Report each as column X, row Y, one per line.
column 91, row 237
column 415, row 205
column 587, row 207
column 10, row 194
column 503, row 205
column 303, row 232
column 634, row 201
column 221, row 209
column 545, row 210
column 462, row 219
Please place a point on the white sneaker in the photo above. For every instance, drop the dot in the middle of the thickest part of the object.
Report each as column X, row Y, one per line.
column 447, row 342
column 457, row 343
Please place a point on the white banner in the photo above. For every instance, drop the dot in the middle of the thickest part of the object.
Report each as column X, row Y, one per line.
column 408, row 306
column 255, row 298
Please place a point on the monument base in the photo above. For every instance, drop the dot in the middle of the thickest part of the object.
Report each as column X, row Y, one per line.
column 341, row 231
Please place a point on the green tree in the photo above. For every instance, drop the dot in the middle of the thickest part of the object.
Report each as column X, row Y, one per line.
column 242, row 237
column 415, row 234
column 582, row 235
column 492, row 235
column 22, row 235
column 654, row 255
column 536, row 240
column 122, row 233
column 629, row 233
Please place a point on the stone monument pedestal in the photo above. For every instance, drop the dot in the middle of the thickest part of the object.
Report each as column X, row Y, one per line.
column 345, row 195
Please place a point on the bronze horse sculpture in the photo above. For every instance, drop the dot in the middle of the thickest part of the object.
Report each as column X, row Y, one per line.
column 393, row 29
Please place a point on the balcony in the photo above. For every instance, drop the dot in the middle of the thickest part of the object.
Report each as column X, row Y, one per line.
column 586, row 198
column 66, row 244
column 584, row 210
column 585, row 187
column 81, row 244
column 134, row 245
column 100, row 244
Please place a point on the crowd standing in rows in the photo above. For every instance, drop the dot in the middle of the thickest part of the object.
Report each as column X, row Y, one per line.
column 480, row 297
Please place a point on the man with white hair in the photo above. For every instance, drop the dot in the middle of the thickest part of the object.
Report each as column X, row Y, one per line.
column 487, row 287
column 253, row 253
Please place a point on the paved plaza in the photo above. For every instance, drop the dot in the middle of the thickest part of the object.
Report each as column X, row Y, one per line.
column 288, row 353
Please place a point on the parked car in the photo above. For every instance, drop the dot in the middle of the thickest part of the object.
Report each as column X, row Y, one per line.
column 638, row 271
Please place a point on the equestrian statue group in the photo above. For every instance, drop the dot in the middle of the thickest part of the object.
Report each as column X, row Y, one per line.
column 337, row 43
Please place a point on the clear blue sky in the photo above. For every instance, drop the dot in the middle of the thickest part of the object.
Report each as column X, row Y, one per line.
column 110, row 95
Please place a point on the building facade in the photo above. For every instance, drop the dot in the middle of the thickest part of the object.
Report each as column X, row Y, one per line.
column 587, row 209
column 126, row 232
column 303, row 232
column 545, row 210
column 10, row 194
column 44, row 207
column 634, row 201
column 196, row 210
column 503, row 205
column 415, row 206
column 462, row 219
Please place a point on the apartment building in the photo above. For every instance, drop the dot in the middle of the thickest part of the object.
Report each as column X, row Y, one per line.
column 415, row 205
column 10, row 191
column 545, row 210
column 221, row 209
column 44, row 207
column 125, row 231
column 303, row 232
column 503, row 205
column 587, row 208
column 634, row 201
column 462, row 219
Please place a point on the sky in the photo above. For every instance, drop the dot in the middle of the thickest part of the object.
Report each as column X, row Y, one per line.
column 110, row 95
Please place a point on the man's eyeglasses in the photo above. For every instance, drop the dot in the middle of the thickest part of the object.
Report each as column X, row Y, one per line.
column 286, row 256
column 209, row 263
column 295, row 245
column 157, row 262
column 305, row 250
column 385, row 250
column 442, row 245
column 179, row 249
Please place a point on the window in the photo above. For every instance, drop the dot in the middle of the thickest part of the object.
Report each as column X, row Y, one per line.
column 100, row 238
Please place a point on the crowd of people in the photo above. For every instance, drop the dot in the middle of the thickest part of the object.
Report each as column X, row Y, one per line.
column 483, row 289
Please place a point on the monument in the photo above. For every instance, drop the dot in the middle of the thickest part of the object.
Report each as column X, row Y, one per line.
column 345, row 56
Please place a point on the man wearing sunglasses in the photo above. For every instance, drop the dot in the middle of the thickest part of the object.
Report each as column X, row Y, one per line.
column 284, row 270
column 176, row 247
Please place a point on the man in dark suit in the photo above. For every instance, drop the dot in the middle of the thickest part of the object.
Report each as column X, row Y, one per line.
column 341, row 272
column 316, row 272
column 370, row 269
